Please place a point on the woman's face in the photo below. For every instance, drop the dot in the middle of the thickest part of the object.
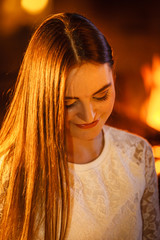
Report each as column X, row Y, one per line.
column 89, row 100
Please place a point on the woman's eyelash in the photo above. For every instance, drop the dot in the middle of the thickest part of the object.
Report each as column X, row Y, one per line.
column 104, row 97
column 70, row 105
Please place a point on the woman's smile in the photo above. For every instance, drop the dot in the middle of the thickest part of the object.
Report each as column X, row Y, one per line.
column 88, row 125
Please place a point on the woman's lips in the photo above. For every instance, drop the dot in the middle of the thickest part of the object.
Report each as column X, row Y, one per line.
column 90, row 125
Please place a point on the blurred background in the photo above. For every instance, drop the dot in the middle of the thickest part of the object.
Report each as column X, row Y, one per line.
column 132, row 29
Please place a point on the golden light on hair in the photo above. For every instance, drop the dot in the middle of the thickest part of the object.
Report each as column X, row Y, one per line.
column 34, row 6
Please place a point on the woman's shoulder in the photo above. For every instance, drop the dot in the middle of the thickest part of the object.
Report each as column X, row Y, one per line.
column 127, row 140
column 130, row 148
column 121, row 134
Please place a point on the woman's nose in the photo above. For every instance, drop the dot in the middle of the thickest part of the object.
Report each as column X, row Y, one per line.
column 87, row 113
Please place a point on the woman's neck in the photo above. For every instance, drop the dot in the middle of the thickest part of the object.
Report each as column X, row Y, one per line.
column 84, row 151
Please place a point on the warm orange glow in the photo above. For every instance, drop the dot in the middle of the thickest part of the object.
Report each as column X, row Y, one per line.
column 156, row 153
column 157, row 165
column 34, row 6
column 151, row 108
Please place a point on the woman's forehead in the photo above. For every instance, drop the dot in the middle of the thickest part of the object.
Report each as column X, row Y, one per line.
column 87, row 79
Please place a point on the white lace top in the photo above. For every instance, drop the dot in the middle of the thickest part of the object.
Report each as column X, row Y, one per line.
column 115, row 197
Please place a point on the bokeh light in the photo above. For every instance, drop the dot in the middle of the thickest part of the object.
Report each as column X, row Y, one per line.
column 34, row 6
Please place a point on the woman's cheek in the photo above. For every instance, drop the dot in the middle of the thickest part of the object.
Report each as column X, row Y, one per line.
column 106, row 105
column 70, row 113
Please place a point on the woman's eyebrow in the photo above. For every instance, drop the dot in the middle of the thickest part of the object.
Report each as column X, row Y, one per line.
column 103, row 88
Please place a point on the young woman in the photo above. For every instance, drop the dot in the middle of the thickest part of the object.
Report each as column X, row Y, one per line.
column 64, row 174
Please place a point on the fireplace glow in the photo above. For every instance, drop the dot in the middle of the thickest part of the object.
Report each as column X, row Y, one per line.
column 151, row 108
column 156, row 153
column 157, row 165
column 150, row 113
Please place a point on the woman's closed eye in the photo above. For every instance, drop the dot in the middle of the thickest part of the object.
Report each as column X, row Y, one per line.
column 70, row 103
column 101, row 96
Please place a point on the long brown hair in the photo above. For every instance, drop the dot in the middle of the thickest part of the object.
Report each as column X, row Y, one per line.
column 32, row 138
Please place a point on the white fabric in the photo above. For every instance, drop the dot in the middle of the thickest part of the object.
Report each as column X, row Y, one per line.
column 115, row 197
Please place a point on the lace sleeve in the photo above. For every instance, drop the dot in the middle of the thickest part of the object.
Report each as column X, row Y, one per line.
column 150, row 203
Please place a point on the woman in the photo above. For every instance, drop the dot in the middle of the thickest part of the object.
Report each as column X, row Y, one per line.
column 64, row 174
